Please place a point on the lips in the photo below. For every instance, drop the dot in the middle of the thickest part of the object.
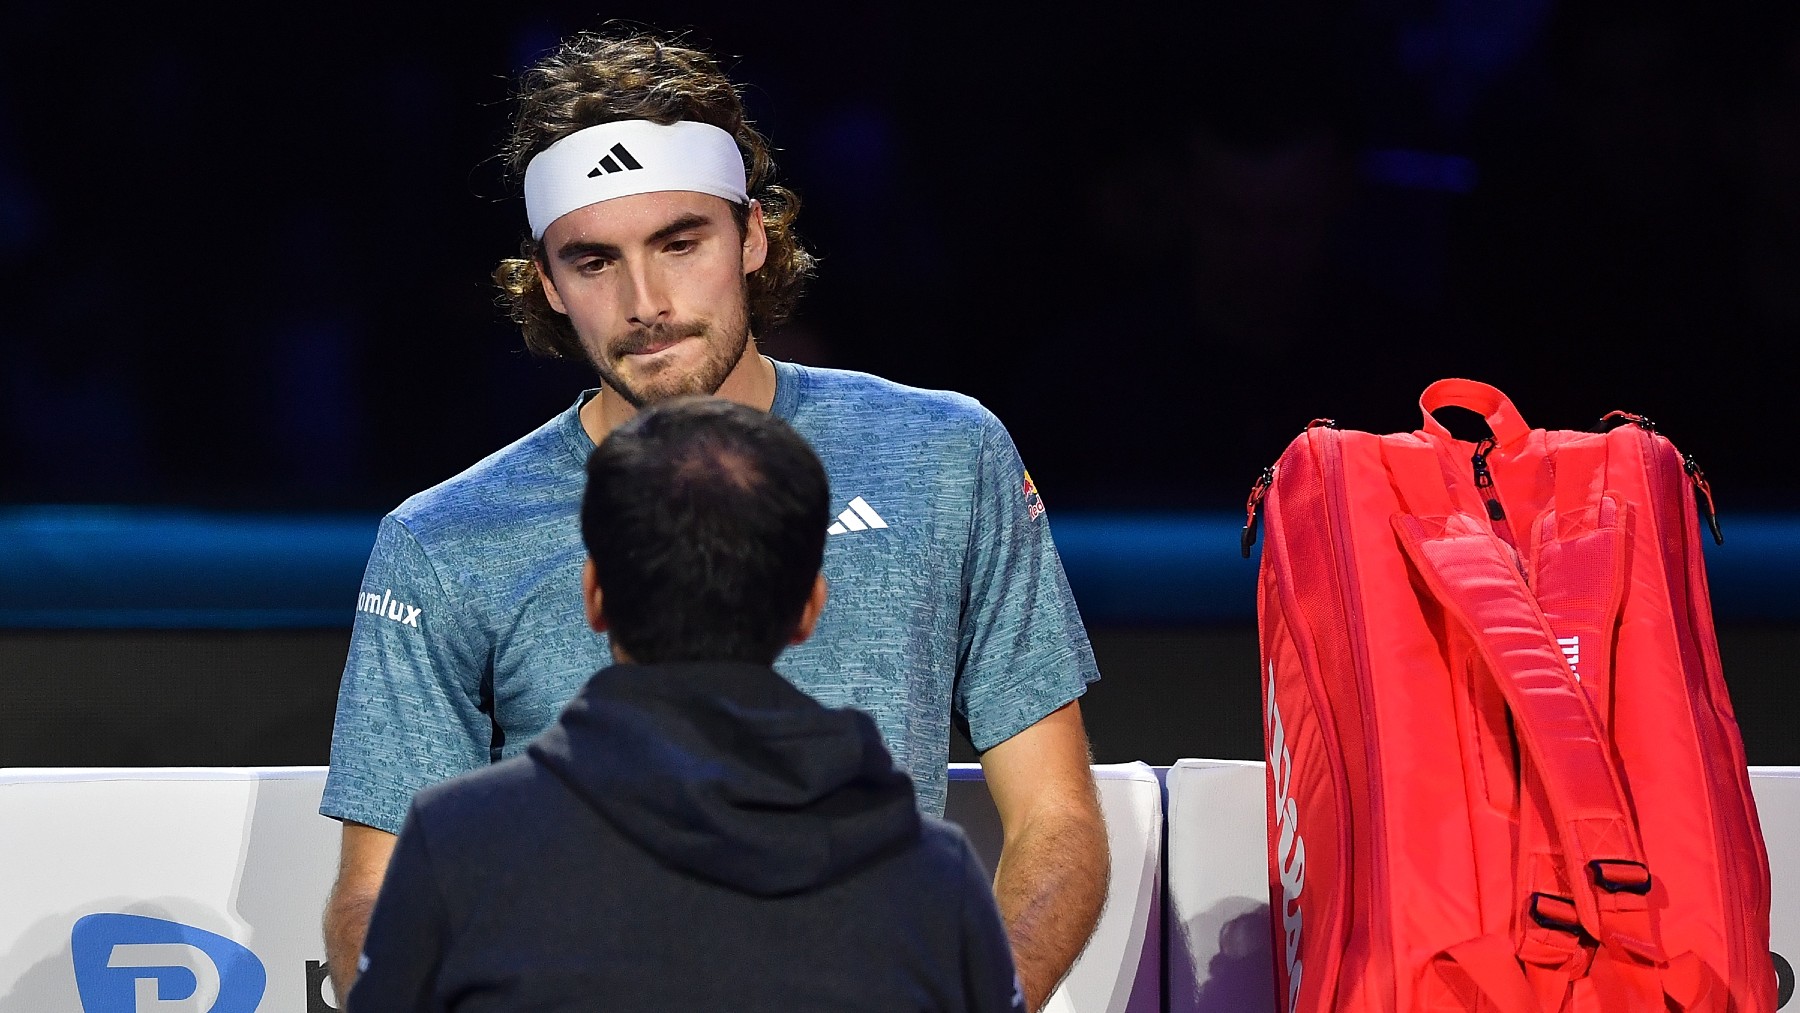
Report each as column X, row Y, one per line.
column 653, row 340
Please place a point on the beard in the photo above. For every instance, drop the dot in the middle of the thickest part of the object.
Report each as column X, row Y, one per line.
column 725, row 343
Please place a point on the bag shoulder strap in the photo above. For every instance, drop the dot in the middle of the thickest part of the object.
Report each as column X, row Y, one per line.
column 1471, row 574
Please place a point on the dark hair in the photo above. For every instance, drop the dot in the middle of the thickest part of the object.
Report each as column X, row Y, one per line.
column 592, row 79
column 705, row 520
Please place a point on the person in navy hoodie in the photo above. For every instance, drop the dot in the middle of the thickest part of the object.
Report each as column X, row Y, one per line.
column 693, row 833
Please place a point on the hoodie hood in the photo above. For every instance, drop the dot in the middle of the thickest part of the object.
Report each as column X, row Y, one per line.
column 729, row 773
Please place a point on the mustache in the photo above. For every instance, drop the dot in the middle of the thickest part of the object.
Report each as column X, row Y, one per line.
column 638, row 339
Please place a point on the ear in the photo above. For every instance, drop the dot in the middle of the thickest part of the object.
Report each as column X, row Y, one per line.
column 810, row 612
column 756, row 240
column 550, row 293
column 590, row 597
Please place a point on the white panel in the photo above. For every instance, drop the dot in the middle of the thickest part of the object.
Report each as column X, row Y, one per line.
column 239, row 853
column 1777, row 793
column 1120, row 971
column 243, row 854
column 1218, row 894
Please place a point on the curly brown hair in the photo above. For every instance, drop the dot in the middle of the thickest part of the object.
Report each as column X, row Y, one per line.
column 595, row 78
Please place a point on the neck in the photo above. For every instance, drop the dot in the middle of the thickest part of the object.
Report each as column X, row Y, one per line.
column 751, row 382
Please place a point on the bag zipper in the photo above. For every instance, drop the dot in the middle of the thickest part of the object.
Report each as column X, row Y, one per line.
column 1703, row 497
column 1253, row 510
column 1656, row 446
column 1260, row 491
column 1484, row 481
column 1484, row 486
column 1331, row 457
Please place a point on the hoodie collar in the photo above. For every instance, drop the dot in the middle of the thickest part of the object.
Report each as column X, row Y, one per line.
column 729, row 773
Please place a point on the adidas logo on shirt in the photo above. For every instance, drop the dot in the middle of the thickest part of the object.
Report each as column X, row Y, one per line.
column 607, row 164
column 860, row 517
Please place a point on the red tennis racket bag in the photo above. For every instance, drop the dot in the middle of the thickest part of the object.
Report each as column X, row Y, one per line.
column 1504, row 773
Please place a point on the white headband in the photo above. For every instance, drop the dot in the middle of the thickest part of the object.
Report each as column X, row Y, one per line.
column 627, row 157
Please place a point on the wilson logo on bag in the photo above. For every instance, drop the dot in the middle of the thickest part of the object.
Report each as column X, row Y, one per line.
column 1290, row 849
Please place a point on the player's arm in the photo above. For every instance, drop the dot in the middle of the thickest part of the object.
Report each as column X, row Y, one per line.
column 409, row 715
column 989, row 983
column 1051, row 882
column 362, row 864
column 1026, row 660
column 408, row 931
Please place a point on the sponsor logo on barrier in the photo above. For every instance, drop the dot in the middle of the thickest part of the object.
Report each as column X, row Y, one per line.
column 318, row 978
column 1290, row 852
column 135, row 964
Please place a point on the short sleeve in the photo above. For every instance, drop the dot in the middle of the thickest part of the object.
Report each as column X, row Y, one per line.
column 408, row 933
column 409, row 711
column 1024, row 650
column 990, row 983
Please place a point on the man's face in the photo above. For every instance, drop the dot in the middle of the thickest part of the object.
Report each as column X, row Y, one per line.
column 656, row 286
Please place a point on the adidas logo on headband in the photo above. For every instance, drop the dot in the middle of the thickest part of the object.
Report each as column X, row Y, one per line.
column 608, row 165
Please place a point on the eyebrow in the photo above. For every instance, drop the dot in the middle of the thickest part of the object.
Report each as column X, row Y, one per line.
column 578, row 248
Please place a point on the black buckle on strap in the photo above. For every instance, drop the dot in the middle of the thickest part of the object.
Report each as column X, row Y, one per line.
column 1551, row 921
column 1631, row 884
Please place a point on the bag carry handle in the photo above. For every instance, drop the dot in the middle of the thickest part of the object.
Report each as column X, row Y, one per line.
column 1502, row 418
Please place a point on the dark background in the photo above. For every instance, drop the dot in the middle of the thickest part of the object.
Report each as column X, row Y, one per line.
column 244, row 260
column 244, row 251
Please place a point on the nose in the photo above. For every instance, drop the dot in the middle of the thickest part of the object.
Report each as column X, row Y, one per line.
column 647, row 303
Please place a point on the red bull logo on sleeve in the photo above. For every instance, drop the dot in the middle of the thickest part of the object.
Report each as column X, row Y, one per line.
column 1034, row 504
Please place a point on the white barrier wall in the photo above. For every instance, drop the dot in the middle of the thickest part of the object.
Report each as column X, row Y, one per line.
column 1777, row 791
column 1218, row 895
column 208, row 884
column 1121, row 969
column 1218, row 898
column 209, row 881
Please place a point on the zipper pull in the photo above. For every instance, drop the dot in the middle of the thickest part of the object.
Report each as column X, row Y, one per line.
column 1253, row 509
column 1612, row 420
column 1703, row 496
column 1484, row 480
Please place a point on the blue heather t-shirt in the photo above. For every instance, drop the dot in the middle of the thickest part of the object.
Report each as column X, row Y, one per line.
column 946, row 594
